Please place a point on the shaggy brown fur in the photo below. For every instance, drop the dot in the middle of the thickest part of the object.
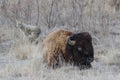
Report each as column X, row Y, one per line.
column 56, row 44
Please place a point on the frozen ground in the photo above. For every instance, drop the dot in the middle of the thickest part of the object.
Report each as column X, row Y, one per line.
column 24, row 62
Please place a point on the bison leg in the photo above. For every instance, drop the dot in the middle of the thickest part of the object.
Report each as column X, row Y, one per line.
column 53, row 62
column 85, row 66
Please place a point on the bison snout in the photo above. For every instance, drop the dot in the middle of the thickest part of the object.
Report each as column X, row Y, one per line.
column 89, row 60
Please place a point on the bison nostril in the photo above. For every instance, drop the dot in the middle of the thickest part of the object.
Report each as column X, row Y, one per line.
column 90, row 60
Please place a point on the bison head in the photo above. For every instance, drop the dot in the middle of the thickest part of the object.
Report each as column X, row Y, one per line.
column 80, row 49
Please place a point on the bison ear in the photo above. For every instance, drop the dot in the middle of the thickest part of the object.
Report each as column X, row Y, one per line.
column 71, row 42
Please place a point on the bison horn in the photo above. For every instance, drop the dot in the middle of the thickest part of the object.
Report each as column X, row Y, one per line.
column 71, row 42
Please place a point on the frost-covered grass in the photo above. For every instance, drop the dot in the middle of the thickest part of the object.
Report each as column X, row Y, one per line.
column 24, row 61
column 35, row 69
column 21, row 60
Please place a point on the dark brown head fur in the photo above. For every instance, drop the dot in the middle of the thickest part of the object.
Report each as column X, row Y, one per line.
column 81, row 53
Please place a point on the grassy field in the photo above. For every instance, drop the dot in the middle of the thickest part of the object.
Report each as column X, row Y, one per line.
column 22, row 60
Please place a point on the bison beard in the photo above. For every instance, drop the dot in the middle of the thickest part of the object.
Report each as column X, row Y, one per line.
column 74, row 48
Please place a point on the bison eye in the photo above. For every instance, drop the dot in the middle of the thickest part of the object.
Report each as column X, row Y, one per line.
column 79, row 49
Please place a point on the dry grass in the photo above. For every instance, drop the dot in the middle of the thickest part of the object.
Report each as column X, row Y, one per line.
column 24, row 61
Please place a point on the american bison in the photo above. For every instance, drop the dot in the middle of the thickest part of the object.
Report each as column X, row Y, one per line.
column 32, row 32
column 75, row 48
